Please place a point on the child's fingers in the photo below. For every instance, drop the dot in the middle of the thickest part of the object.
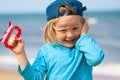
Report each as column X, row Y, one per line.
column 13, row 41
column 20, row 39
column 85, row 28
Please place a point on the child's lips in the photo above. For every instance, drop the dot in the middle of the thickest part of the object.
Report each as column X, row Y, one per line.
column 70, row 41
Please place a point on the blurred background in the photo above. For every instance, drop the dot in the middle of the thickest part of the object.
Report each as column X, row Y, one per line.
column 104, row 21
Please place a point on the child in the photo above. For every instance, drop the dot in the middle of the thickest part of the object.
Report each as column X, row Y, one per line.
column 69, row 52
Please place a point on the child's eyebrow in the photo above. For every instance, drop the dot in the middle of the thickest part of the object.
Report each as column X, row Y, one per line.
column 62, row 28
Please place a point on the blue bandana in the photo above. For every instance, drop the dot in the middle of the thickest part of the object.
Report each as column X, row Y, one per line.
column 52, row 10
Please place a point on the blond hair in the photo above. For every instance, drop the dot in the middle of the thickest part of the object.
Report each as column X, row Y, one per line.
column 49, row 32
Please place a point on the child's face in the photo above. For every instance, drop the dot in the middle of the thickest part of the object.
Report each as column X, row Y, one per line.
column 68, row 30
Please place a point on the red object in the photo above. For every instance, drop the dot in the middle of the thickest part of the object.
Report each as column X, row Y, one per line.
column 8, row 33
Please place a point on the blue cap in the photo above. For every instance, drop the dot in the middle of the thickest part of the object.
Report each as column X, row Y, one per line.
column 52, row 10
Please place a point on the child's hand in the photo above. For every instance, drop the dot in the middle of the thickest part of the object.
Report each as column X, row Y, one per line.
column 85, row 28
column 17, row 44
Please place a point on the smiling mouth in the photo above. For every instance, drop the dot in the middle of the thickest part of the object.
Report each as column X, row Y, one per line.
column 70, row 41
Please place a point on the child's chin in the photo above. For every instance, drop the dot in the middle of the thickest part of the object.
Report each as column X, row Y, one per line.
column 69, row 45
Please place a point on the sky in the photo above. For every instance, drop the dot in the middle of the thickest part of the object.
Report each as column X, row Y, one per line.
column 34, row 6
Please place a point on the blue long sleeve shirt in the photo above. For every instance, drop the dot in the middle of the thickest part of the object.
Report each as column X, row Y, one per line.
column 61, row 63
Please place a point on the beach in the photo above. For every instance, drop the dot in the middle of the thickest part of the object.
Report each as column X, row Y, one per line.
column 9, row 75
column 104, row 28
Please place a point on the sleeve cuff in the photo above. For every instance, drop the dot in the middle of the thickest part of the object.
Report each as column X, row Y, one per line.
column 80, row 39
column 25, row 70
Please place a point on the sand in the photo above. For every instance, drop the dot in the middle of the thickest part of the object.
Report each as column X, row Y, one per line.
column 9, row 75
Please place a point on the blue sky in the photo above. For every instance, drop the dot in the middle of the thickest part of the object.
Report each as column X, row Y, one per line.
column 33, row 6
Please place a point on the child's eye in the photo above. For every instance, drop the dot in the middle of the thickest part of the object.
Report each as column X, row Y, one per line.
column 75, row 28
column 63, row 30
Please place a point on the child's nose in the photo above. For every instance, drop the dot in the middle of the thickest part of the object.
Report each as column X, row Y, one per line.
column 70, row 34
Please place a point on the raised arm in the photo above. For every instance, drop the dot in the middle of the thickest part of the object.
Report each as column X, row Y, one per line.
column 18, row 49
column 92, row 51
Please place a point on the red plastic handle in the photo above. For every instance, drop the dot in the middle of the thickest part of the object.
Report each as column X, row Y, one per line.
column 8, row 33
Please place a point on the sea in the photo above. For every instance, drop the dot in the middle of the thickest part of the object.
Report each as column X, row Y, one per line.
column 104, row 28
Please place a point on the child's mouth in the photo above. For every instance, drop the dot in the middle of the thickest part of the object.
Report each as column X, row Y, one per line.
column 70, row 41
